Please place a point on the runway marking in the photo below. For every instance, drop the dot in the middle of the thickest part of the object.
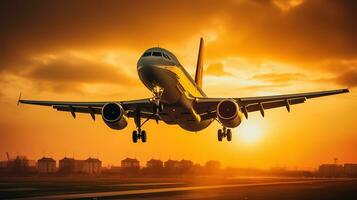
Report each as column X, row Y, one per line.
column 17, row 189
column 175, row 189
column 145, row 184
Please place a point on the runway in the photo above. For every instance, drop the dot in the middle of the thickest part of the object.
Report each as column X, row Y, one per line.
column 229, row 189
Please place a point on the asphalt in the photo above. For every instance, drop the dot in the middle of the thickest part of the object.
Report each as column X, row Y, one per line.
column 236, row 188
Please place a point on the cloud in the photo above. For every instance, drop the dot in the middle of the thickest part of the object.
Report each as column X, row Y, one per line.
column 77, row 70
column 308, row 30
column 264, row 87
column 278, row 77
column 68, row 72
column 31, row 28
column 287, row 4
column 348, row 78
column 299, row 32
column 311, row 31
column 216, row 69
column 342, row 72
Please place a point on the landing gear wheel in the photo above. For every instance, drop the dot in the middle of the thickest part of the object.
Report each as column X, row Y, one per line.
column 135, row 136
column 229, row 134
column 143, row 136
column 220, row 135
column 224, row 133
column 140, row 134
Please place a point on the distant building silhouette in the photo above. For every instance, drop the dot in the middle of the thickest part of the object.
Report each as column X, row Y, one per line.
column 154, row 168
column 212, row 166
column 154, row 164
column 113, row 170
column 130, row 166
column 79, row 166
column 21, row 166
column 330, row 170
column 171, row 164
column 130, row 163
column 66, row 165
column 350, row 170
column 3, row 165
column 92, row 166
column 46, row 165
column 175, row 167
column 71, row 165
column 185, row 166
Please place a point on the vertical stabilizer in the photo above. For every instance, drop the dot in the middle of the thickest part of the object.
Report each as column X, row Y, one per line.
column 199, row 67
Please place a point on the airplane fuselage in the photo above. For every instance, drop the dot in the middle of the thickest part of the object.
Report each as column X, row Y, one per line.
column 160, row 68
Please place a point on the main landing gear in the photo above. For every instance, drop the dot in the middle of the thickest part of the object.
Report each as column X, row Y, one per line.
column 139, row 135
column 224, row 132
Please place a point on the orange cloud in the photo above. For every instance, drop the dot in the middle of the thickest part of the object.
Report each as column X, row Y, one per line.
column 278, row 77
column 314, row 36
column 348, row 78
column 309, row 31
column 216, row 69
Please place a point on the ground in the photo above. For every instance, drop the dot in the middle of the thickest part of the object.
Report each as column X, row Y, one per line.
column 177, row 188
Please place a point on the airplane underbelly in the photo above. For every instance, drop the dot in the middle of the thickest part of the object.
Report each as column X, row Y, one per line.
column 152, row 76
column 178, row 115
column 195, row 126
column 176, row 103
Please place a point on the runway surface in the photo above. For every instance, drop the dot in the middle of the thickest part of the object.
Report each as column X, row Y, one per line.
column 240, row 188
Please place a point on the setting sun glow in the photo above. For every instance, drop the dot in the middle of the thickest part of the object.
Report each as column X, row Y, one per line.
column 53, row 50
column 250, row 132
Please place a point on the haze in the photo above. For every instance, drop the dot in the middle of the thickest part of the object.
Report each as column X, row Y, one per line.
column 87, row 51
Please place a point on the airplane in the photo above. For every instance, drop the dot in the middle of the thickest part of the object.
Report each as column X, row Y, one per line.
column 178, row 99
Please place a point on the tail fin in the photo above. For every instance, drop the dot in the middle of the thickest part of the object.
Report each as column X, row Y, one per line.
column 199, row 67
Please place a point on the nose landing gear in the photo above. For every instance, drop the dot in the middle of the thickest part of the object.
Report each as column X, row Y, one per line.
column 155, row 100
column 224, row 132
column 139, row 134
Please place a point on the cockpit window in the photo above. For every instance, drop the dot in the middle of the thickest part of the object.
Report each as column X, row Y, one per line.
column 156, row 54
column 166, row 56
column 147, row 54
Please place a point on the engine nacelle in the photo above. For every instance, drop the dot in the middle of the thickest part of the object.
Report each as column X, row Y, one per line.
column 113, row 116
column 228, row 113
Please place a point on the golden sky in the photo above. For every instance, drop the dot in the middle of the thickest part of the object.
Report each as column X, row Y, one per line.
column 87, row 51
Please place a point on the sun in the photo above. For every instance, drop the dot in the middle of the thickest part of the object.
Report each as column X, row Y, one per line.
column 250, row 132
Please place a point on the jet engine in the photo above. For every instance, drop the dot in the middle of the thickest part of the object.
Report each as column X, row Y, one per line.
column 113, row 116
column 228, row 113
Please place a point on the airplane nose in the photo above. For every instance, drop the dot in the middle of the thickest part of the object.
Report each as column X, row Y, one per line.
column 146, row 70
column 145, row 67
column 140, row 67
column 145, row 62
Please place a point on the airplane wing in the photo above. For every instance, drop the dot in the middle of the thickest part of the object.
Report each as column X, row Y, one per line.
column 144, row 105
column 206, row 107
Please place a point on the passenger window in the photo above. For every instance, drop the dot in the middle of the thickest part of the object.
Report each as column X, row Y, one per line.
column 146, row 54
column 156, row 54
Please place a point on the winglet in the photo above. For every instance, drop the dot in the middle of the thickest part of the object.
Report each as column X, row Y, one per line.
column 19, row 100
